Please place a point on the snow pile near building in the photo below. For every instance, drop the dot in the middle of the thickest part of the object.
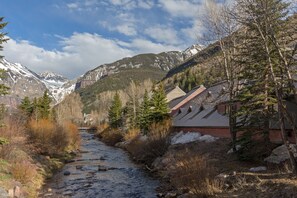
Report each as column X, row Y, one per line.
column 184, row 138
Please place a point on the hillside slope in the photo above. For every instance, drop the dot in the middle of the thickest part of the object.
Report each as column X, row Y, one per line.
column 118, row 81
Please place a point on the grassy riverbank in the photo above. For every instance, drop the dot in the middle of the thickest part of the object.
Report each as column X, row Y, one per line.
column 202, row 169
column 30, row 152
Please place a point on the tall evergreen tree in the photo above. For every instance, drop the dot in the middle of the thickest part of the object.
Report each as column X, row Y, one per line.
column 115, row 112
column 26, row 106
column 145, row 118
column 3, row 89
column 159, row 105
column 44, row 103
column 2, row 35
column 267, row 70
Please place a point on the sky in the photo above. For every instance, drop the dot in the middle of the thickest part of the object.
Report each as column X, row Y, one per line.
column 70, row 37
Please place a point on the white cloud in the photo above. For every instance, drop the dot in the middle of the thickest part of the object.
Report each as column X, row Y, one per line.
column 127, row 4
column 146, row 46
column 145, row 4
column 194, row 32
column 80, row 53
column 72, row 5
column 163, row 34
column 132, row 4
column 181, row 8
column 127, row 29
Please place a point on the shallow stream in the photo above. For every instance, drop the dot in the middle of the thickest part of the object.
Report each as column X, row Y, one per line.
column 100, row 171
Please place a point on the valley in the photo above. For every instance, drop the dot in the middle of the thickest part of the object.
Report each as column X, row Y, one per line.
column 168, row 99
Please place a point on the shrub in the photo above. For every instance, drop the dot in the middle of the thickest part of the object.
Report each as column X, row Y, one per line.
column 53, row 139
column 160, row 130
column 73, row 135
column 24, row 171
column 111, row 136
column 131, row 134
column 155, row 146
column 193, row 172
column 102, row 127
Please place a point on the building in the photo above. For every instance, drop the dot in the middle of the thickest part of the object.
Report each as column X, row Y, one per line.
column 207, row 113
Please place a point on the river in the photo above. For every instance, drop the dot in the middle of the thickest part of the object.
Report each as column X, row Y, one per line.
column 100, row 171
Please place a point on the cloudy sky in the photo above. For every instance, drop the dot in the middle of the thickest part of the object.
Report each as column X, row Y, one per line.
column 71, row 37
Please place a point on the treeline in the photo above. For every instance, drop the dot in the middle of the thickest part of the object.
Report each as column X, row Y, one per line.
column 53, row 129
column 142, row 123
column 138, row 114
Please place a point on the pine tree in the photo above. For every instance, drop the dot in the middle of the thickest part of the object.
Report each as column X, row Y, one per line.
column 145, row 113
column 26, row 106
column 115, row 112
column 267, row 68
column 3, row 89
column 159, row 105
column 44, row 103
column 2, row 35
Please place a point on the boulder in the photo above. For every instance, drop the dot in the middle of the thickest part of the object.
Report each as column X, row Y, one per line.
column 280, row 154
column 183, row 138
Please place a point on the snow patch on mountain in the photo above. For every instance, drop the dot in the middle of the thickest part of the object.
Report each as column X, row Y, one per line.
column 58, row 85
column 192, row 50
column 24, row 82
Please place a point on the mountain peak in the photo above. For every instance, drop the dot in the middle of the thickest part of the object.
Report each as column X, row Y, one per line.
column 51, row 76
column 192, row 50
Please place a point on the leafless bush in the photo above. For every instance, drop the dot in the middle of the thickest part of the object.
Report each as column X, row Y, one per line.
column 111, row 136
column 155, row 146
column 195, row 173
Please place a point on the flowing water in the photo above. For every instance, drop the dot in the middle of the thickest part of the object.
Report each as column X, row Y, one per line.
column 100, row 171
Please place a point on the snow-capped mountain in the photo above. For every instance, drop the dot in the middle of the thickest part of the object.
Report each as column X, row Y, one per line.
column 24, row 82
column 193, row 50
column 58, row 85
column 53, row 77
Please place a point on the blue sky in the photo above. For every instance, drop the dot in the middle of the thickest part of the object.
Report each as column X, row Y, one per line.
column 71, row 37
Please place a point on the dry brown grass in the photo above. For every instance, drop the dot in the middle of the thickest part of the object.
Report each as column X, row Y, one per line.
column 155, row 146
column 194, row 173
column 24, row 171
column 53, row 139
column 160, row 130
column 101, row 127
column 15, row 156
column 73, row 135
column 131, row 134
column 111, row 136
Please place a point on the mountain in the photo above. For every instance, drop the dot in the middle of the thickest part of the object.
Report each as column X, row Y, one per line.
column 24, row 82
column 191, row 51
column 52, row 77
column 119, row 74
column 21, row 81
column 163, row 62
column 58, row 85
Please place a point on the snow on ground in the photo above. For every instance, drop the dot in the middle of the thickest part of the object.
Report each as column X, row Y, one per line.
column 184, row 138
